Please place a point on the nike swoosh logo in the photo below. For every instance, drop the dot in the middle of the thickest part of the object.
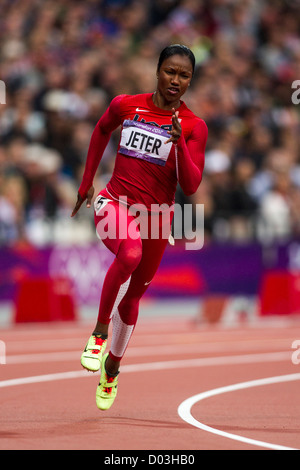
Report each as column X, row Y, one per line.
column 142, row 110
column 147, row 283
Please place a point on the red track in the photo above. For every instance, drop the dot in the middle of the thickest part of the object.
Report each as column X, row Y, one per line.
column 167, row 362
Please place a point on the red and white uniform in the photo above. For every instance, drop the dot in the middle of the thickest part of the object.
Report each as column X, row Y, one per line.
column 146, row 172
column 143, row 181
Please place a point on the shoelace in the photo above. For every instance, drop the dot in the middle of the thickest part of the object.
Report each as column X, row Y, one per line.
column 108, row 389
column 109, row 380
column 98, row 342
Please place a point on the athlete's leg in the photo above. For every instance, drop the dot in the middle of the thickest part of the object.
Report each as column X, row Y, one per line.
column 126, row 315
column 125, row 318
column 128, row 253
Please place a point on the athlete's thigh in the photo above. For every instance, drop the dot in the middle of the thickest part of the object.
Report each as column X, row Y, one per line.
column 113, row 223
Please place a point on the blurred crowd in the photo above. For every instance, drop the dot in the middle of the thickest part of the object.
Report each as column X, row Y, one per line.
column 62, row 61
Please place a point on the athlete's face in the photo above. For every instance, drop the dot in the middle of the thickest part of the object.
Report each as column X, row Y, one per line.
column 174, row 77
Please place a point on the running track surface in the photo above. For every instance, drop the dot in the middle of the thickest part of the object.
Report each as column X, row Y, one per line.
column 182, row 386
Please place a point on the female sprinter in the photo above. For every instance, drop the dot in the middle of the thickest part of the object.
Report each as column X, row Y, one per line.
column 162, row 142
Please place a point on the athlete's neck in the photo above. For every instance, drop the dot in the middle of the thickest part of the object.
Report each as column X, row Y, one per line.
column 160, row 102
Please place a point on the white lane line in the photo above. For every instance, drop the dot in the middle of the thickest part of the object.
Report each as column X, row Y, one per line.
column 184, row 409
column 42, row 378
column 162, row 365
column 64, row 356
column 191, row 338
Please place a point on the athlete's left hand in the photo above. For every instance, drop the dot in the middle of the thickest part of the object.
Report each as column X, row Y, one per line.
column 176, row 128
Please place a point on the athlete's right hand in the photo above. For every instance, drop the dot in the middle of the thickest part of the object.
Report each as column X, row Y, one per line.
column 81, row 200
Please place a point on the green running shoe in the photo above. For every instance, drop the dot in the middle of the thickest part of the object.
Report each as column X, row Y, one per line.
column 92, row 354
column 107, row 388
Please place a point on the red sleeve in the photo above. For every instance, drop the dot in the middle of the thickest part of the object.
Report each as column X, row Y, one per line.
column 190, row 158
column 106, row 125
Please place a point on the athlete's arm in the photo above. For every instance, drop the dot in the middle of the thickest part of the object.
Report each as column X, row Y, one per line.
column 190, row 158
column 99, row 140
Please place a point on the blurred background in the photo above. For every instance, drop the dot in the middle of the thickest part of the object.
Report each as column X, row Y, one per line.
column 62, row 61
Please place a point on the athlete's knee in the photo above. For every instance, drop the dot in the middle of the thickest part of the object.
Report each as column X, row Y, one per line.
column 130, row 255
column 134, row 256
column 129, row 310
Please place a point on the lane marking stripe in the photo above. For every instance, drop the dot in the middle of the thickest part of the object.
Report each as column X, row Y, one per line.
column 133, row 352
column 148, row 366
column 184, row 409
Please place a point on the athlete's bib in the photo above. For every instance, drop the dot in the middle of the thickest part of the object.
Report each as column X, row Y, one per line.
column 100, row 203
column 140, row 140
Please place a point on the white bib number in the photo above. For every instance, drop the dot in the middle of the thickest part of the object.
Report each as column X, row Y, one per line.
column 140, row 140
column 100, row 203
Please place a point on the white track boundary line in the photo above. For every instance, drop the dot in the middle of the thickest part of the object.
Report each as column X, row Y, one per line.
column 151, row 366
column 64, row 356
column 184, row 409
